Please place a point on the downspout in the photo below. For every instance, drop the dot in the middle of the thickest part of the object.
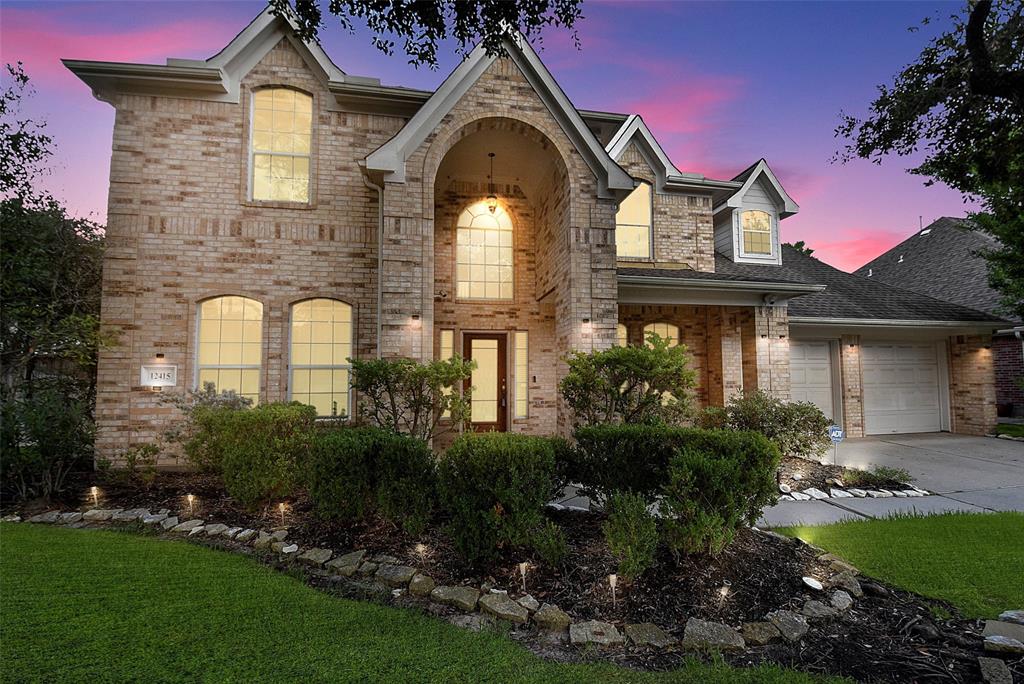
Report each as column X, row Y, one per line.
column 380, row 258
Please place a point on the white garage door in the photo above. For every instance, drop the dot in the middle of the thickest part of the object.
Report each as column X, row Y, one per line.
column 901, row 388
column 810, row 367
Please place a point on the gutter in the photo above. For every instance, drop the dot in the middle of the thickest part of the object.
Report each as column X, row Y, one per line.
column 694, row 182
column 710, row 284
column 890, row 322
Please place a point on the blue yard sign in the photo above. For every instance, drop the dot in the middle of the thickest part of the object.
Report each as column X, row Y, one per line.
column 836, row 434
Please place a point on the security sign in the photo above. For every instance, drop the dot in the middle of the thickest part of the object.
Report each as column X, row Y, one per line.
column 836, row 434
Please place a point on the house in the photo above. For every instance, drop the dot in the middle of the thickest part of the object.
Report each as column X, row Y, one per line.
column 944, row 260
column 271, row 216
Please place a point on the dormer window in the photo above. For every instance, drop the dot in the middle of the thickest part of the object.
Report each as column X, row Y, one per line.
column 757, row 233
column 282, row 127
column 633, row 224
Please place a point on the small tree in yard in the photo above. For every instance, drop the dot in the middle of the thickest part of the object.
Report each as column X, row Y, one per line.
column 405, row 396
column 646, row 384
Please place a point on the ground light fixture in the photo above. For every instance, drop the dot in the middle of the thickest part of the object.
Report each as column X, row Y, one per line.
column 191, row 499
column 95, row 491
column 282, row 507
column 523, row 567
column 613, row 580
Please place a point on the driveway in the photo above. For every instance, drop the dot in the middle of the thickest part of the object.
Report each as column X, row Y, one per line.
column 976, row 474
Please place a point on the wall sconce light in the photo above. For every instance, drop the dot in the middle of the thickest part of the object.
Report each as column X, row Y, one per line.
column 416, row 320
column 160, row 355
column 587, row 326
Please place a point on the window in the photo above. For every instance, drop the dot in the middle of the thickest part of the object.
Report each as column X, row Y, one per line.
column 447, row 349
column 622, row 335
column 633, row 224
column 757, row 232
column 483, row 253
column 665, row 331
column 231, row 345
column 282, row 126
column 321, row 344
column 522, row 374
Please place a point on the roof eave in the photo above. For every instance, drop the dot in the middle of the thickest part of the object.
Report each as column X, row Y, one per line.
column 895, row 323
column 731, row 285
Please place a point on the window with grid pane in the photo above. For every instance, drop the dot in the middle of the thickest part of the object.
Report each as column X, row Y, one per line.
column 231, row 345
column 665, row 331
column 447, row 351
column 633, row 224
column 483, row 253
column 622, row 335
column 321, row 344
column 522, row 374
column 282, row 126
column 757, row 232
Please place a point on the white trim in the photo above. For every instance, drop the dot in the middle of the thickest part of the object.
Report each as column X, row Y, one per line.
column 896, row 323
column 945, row 402
column 289, row 366
column 735, row 201
column 774, row 248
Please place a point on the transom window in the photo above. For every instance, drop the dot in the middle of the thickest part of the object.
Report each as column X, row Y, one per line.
column 230, row 345
column 633, row 224
column 282, row 126
column 665, row 331
column 483, row 253
column 321, row 344
column 757, row 232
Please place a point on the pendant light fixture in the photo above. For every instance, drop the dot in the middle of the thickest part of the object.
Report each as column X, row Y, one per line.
column 492, row 199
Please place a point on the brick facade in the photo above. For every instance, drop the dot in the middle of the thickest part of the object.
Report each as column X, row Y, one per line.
column 972, row 392
column 1009, row 362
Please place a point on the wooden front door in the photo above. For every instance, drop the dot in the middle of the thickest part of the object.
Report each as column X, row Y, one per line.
column 489, row 399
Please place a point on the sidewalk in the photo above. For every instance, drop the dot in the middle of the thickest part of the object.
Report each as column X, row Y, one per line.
column 791, row 513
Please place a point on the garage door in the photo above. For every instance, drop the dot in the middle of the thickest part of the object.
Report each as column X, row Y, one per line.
column 810, row 367
column 901, row 388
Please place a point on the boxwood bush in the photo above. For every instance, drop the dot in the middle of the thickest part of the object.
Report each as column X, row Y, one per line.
column 797, row 428
column 494, row 487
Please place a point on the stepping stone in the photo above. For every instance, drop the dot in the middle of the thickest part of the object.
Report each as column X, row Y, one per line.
column 187, row 526
column 551, row 618
column 153, row 518
column 245, row 535
column 45, row 518
column 789, row 624
column 463, row 598
column 394, row 576
column 859, row 493
column 994, row 671
column 503, row 608
column 315, row 557
column 421, row 585
column 169, row 523
column 1015, row 616
column 69, row 518
column 800, row 496
column 704, row 635
column 216, row 529
column 815, row 493
column 648, row 634
column 595, row 632
column 529, row 603
column 841, row 600
column 839, row 494
column 1006, row 629
column 759, row 633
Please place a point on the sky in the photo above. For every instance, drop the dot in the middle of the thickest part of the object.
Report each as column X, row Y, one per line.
column 720, row 84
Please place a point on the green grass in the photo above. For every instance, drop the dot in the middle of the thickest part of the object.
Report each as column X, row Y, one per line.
column 971, row 560
column 1012, row 429
column 96, row 606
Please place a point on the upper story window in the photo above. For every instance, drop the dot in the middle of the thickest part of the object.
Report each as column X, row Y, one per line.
column 231, row 345
column 757, row 232
column 483, row 253
column 665, row 331
column 282, row 127
column 321, row 345
column 633, row 224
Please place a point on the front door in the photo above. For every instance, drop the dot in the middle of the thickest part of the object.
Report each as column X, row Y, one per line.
column 489, row 399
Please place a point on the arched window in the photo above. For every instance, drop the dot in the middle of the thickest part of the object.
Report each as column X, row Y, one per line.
column 321, row 344
column 757, row 232
column 483, row 253
column 665, row 331
column 633, row 224
column 282, row 127
column 231, row 345
column 622, row 335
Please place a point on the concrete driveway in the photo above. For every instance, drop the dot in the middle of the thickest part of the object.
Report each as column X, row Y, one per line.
column 976, row 474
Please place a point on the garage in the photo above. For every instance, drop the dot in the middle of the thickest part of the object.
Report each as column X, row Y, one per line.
column 810, row 366
column 901, row 388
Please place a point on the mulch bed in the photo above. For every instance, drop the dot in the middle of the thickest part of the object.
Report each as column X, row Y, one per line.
column 889, row 634
column 822, row 475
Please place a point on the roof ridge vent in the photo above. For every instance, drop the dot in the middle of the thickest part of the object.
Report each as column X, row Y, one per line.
column 925, row 231
column 871, row 272
column 901, row 259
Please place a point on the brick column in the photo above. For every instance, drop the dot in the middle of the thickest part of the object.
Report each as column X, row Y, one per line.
column 972, row 393
column 851, row 376
column 771, row 342
column 724, row 355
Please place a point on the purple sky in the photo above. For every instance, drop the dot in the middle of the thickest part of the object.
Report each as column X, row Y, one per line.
column 721, row 84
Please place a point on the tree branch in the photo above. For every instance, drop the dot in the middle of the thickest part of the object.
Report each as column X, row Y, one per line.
column 984, row 78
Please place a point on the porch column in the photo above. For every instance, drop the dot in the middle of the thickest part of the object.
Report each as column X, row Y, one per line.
column 851, row 378
column 725, row 355
column 972, row 393
column 765, row 351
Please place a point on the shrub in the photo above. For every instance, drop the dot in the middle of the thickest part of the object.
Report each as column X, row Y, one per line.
column 204, row 413
column 718, row 481
column 261, row 449
column 648, row 384
column 405, row 396
column 632, row 533
column 548, row 542
column 494, row 487
column 878, row 476
column 796, row 428
column 138, row 465
column 354, row 471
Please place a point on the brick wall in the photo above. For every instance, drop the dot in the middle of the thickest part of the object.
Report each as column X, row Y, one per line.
column 972, row 391
column 851, row 376
column 1009, row 372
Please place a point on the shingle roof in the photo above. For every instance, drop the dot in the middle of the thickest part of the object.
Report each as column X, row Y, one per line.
column 774, row 276
column 942, row 261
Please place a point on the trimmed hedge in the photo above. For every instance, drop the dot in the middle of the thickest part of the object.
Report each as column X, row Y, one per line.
column 494, row 486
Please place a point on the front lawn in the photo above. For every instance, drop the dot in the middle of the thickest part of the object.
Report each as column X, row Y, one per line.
column 88, row 605
column 1012, row 429
column 971, row 560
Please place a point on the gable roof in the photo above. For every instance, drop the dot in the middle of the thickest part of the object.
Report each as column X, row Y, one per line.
column 942, row 260
column 634, row 130
column 390, row 158
column 748, row 177
column 851, row 297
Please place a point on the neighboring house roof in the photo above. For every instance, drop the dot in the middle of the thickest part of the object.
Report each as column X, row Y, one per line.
column 748, row 177
column 943, row 261
column 851, row 297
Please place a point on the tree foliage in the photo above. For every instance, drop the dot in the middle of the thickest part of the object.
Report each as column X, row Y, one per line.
column 961, row 106
column 801, row 247
column 421, row 26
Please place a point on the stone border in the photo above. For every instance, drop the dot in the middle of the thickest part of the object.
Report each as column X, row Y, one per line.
column 815, row 494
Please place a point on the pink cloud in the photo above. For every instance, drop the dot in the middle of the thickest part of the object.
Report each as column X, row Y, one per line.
column 856, row 247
